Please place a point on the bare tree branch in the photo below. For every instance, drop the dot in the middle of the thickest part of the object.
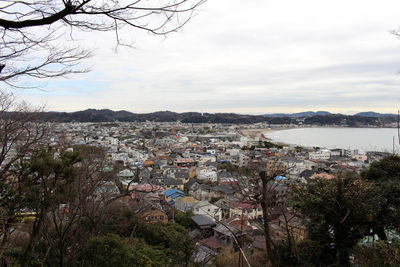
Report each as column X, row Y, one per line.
column 31, row 31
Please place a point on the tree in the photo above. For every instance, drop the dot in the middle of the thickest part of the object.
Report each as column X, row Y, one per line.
column 268, row 195
column 22, row 132
column 386, row 174
column 34, row 32
column 173, row 238
column 380, row 253
column 338, row 213
column 110, row 250
column 259, row 188
column 184, row 218
column 62, row 188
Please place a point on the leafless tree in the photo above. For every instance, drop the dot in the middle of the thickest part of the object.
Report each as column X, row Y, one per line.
column 21, row 133
column 34, row 32
column 260, row 188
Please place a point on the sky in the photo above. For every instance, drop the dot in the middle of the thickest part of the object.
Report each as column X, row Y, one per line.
column 245, row 56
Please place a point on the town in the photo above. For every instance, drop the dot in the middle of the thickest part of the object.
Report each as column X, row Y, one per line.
column 205, row 171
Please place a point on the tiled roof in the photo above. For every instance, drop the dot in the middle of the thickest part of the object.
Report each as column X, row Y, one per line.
column 212, row 242
column 147, row 188
column 188, row 200
column 203, row 220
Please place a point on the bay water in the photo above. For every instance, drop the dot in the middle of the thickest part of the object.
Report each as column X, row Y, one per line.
column 363, row 139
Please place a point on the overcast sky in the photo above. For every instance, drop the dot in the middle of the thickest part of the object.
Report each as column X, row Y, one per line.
column 246, row 56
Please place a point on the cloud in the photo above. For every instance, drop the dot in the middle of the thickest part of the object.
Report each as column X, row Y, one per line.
column 250, row 57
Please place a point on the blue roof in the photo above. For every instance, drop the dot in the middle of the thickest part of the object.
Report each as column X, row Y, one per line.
column 280, row 177
column 173, row 191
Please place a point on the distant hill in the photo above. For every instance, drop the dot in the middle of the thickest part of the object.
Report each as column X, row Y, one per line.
column 106, row 115
column 374, row 114
column 298, row 115
column 321, row 118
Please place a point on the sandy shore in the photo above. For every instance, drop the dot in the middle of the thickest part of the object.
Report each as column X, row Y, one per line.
column 259, row 133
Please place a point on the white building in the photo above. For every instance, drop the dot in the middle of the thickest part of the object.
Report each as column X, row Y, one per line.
column 206, row 174
column 206, row 208
column 243, row 160
column 323, row 154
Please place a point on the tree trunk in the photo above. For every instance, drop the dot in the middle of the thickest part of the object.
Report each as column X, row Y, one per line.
column 264, row 205
column 6, row 228
column 380, row 231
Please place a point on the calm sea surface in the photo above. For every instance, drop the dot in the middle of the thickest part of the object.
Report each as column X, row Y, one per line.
column 365, row 139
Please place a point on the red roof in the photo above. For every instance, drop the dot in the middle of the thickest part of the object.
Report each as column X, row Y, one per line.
column 212, row 242
column 147, row 188
column 244, row 205
column 185, row 160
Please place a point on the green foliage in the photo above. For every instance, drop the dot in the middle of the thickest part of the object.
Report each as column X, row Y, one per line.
column 146, row 255
column 299, row 148
column 112, row 250
column 108, row 251
column 268, row 144
column 385, row 170
column 386, row 174
column 338, row 210
column 117, row 220
column 172, row 238
column 184, row 218
column 380, row 253
column 229, row 167
column 248, row 148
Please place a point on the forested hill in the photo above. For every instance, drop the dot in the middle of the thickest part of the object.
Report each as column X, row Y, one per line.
column 106, row 115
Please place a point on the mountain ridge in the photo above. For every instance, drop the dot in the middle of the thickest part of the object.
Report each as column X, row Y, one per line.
column 308, row 117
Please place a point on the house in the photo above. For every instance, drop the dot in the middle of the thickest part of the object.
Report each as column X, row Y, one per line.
column 206, row 175
column 190, row 185
column 147, row 192
column 213, row 243
column 185, row 162
column 172, row 194
column 203, row 159
column 173, row 183
column 182, row 175
column 224, row 190
column 148, row 163
column 206, row 208
column 146, row 188
column 204, row 223
column 280, row 226
column 126, row 175
column 229, row 229
column 151, row 213
column 250, row 210
column 185, row 203
column 144, row 174
column 259, row 243
column 323, row 154
column 201, row 192
column 295, row 226
column 325, row 176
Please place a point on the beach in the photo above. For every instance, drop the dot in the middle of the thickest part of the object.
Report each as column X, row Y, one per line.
column 258, row 133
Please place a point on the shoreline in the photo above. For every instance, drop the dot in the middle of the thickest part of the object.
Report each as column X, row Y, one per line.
column 259, row 133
